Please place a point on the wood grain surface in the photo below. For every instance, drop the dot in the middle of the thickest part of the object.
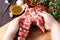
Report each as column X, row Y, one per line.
column 35, row 33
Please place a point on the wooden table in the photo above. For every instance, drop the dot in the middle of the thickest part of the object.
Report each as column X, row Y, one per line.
column 35, row 33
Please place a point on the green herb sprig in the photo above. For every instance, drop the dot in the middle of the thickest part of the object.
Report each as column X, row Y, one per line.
column 53, row 6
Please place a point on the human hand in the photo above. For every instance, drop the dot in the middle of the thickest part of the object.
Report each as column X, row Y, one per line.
column 12, row 29
column 49, row 20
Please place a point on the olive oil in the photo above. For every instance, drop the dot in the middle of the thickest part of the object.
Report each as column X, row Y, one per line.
column 16, row 10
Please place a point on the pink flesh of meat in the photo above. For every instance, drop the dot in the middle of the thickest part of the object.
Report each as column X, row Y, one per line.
column 27, row 19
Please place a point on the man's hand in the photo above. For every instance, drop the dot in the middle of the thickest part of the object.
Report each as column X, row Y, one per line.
column 49, row 20
column 12, row 29
column 51, row 24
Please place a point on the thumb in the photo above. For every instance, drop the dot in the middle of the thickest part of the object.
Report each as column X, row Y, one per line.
column 15, row 20
column 43, row 14
column 14, row 25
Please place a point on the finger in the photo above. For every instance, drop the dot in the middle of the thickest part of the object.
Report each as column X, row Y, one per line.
column 14, row 24
column 47, row 27
column 16, row 20
column 47, row 14
column 42, row 14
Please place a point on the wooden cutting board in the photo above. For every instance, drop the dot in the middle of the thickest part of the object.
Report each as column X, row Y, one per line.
column 35, row 33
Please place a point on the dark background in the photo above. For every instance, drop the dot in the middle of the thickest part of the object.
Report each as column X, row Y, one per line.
column 6, row 18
